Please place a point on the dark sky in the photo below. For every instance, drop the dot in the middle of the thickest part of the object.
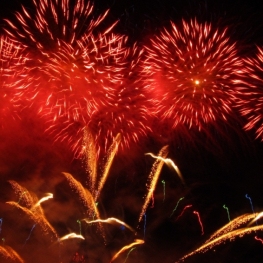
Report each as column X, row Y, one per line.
column 217, row 172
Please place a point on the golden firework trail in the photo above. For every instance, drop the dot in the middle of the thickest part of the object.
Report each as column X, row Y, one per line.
column 136, row 242
column 153, row 178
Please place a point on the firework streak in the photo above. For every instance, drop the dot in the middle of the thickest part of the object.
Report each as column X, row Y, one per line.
column 228, row 215
column 200, row 222
column 170, row 163
column 108, row 220
column 136, row 242
column 187, row 206
column 227, row 233
column 153, row 178
column 9, row 255
column 251, row 103
column 176, row 205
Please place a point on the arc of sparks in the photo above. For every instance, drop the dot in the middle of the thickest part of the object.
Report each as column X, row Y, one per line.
column 222, row 238
column 21, row 196
column 136, row 242
column 49, row 196
column 176, row 205
column 10, row 254
column 110, row 157
column 109, row 220
column 258, row 216
column 170, row 164
column 70, row 236
column 232, row 225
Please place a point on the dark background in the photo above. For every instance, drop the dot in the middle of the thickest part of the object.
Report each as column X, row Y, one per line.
column 216, row 173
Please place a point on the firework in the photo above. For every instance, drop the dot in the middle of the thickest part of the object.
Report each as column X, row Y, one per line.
column 136, row 242
column 8, row 254
column 194, row 73
column 199, row 220
column 73, row 70
column 251, row 104
column 10, row 64
column 224, row 236
column 170, row 163
column 84, row 195
column 180, row 199
column 96, row 181
column 130, row 115
column 153, row 178
column 110, row 221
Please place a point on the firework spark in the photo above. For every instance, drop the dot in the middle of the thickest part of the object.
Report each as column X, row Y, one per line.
column 49, row 195
column 73, row 68
column 110, row 221
column 70, row 236
column 194, row 70
column 84, row 195
column 251, row 105
column 170, row 163
column 230, row 231
column 37, row 218
column 8, row 254
column 10, row 64
column 136, row 242
column 232, row 235
column 153, row 178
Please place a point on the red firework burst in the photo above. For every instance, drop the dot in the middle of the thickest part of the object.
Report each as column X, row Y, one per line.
column 251, row 105
column 10, row 62
column 78, row 78
column 194, row 71
column 70, row 71
column 128, row 114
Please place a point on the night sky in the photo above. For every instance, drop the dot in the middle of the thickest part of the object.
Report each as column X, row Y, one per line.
column 218, row 170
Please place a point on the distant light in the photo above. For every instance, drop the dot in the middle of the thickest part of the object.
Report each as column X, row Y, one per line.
column 197, row 82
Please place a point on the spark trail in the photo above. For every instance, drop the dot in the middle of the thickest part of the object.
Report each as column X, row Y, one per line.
column 221, row 239
column 251, row 204
column 136, row 242
column 170, row 164
column 225, row 207
column 200, row 222
column 110, row 220
column 180, row 199
column 78, row 221
column 163, row 182
column 70, row 236
column 259, row 239
column 186, row 207
column 49, row 196
column 29, row 234
column 144, row 226
column 153, row 178
column 129, row 254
